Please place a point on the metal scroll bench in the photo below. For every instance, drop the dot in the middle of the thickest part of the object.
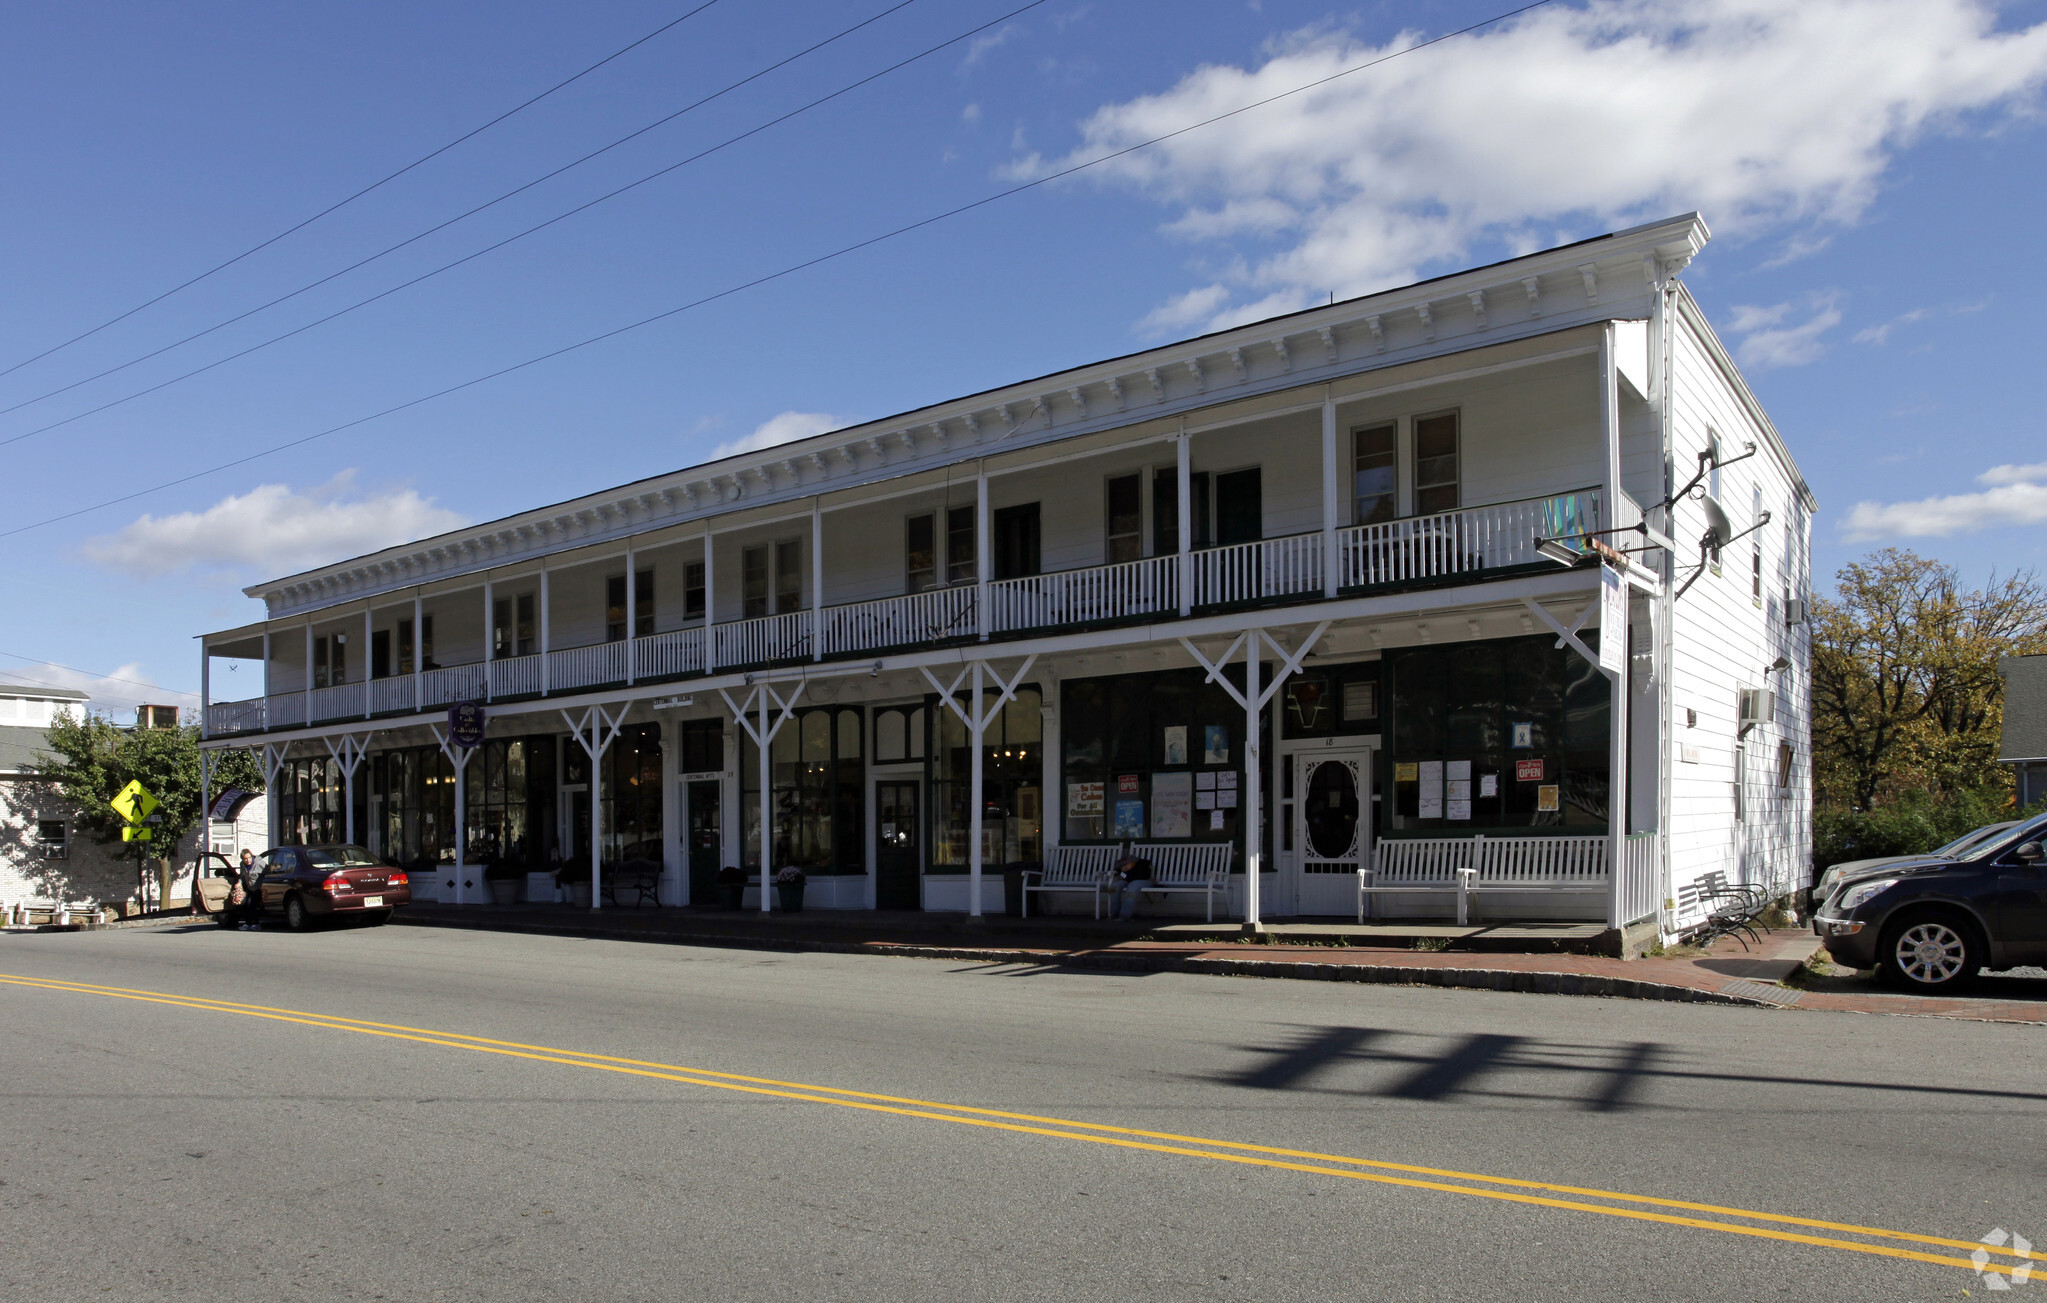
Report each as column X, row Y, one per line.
column 1073, row 868
column 1188, row 868
column 641, row 877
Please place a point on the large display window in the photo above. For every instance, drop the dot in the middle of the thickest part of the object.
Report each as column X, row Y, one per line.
column 1152, row 757
column 816, row 770
column 1012, row 785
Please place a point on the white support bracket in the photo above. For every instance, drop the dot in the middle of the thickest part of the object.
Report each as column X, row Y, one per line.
column 353, row 748
column 1566, row 636
column 458, row 756
column 761, row 697
column 977, row 719
column 595, row 730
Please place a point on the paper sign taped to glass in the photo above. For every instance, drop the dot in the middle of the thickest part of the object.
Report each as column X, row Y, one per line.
column 1546, row 798
column 1084, row 798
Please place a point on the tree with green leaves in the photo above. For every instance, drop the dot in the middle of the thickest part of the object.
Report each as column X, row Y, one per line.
column 90, row 760
column 1906, row 693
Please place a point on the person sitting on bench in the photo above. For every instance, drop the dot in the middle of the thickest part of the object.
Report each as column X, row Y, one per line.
column 1127, row 881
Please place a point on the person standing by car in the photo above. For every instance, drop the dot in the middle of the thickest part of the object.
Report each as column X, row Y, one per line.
column 248, row 909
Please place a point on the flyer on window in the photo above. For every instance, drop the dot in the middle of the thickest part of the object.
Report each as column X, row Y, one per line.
column 1129, row 819
column 1215, row 745
column 1172, row 805
column 1176, row 745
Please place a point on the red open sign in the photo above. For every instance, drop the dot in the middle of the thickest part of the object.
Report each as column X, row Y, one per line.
column 1528, row 771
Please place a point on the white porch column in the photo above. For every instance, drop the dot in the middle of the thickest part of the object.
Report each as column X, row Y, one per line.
column 1184, row 448
column 984, row 556
column 977, row 718
column 1617, row 776
column 266, row 679
column 419, row 657
column 205, row 690
column 307, row 695
column 369, row 634
column 595, row 731
column 674, row 858
column 490, row 641
column 349, row 755
column 763, row 735
column 816, row 581
column 1331, row 570
column 632, row 618
column 710, row 605
column 545, row 641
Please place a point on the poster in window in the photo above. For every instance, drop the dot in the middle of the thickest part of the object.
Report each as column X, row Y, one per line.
column 1226, row 800
column 1215, row 744
column 1172, row 805
column 1215, row 821
column 1432, row 789
column 1406, row 771
column 1204, row 782
column 1204, row 800
column 1528, row 771
column 1129, row 819
column 1546, row 798
column 1360, row 701
column 1226, row 781
column 1455, row 809
column 1176, row 745
column 1083, row 798
column 1488, row 785
column 1524, row 736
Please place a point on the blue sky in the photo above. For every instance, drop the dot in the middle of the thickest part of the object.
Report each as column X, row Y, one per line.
column 1872, row 168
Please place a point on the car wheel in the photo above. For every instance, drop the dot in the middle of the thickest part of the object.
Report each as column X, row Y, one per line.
column 228, row 917
column 1931, row 953
column 295, row 916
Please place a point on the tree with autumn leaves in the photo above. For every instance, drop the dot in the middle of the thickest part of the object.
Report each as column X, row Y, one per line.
column 1908, row 706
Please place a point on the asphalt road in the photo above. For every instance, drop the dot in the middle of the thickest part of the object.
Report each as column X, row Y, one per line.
column 919, row 1129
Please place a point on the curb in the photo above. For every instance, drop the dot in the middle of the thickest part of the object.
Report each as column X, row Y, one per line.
column 1479, row 979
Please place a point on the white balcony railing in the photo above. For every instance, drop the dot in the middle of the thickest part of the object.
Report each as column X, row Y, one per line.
column 768, row 638
column 515, row 676
column 1126, row 590
column 450, row 684
column 1460, row 542
column 934, row 616
column 1260, row 571
column 583, row 667
column 392, row 694
column 237, row 716
column 662, row 654
column 1419, row 549
column 342, row 701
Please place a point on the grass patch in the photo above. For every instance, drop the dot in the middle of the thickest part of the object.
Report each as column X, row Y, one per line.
column 1430, row 943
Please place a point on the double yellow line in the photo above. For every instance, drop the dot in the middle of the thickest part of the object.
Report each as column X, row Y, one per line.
column 1634, row 1207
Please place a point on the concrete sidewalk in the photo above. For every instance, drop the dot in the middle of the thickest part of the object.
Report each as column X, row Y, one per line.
column 1765, row 976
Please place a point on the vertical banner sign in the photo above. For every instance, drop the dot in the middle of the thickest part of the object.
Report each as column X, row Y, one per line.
column 1613, row 621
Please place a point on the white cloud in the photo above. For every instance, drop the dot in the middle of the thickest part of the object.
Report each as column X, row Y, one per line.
column 1882, row 334
column 988, row 42
column 785, row 428
column 1767, row 341
column 2017, row 495
column 971, row 114
column 128, row 686
column 1564, row 122
column 273, row 529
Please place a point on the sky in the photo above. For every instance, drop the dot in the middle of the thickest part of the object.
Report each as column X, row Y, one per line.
column 1872, row 170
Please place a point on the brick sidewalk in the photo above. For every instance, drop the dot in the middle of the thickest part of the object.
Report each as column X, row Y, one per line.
column 1724, row 974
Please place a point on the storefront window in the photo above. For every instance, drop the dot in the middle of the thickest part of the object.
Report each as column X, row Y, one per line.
column 1151, row 757
column 497, row 803
column 309, row 803
column 1012, row 786
column 816, row 770
column 632, row 795
column 412, row 800
column 1496, row 737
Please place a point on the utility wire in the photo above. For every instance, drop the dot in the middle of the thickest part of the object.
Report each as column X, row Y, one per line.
column 334, row 207
column 459, row 217
column 791, row 270
column 104, row 678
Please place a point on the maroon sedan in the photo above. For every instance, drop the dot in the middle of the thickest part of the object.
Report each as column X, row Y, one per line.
column 305, row 883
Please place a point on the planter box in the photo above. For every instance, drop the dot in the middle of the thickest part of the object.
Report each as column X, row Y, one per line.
column 540, row 888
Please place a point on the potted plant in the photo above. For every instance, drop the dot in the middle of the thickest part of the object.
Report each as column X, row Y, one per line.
column 575, row 875
column 789, row 889
column 504, row 879
column 731, row 888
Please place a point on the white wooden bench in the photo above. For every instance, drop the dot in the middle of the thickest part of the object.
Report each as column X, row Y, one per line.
column 1073, row 868
column 1187, row 868
column 1468, row 866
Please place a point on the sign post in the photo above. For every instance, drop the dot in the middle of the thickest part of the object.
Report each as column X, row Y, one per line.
column 137, row 805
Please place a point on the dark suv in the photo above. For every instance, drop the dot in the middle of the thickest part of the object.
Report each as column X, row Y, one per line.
column 1930, row 923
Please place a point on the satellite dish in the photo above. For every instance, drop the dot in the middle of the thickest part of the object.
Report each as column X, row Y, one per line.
column 1718, row 527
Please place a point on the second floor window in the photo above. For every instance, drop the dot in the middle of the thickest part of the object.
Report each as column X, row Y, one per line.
column 959, row 546
column 425, row 646
column 771, row 573
column 920, row 553
column 1239, row 507
column 1126, row 518
column 1377, row 483
column 693, row 590
column 642, row 614
column 330, row 660
column 1165, row 511
column 1016, row 541
column 1435, row 464
column 512, row 627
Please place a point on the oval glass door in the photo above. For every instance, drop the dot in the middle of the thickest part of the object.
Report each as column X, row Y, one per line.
column 1330, row 810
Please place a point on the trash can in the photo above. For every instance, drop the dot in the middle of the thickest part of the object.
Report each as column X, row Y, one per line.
column 1012, row 887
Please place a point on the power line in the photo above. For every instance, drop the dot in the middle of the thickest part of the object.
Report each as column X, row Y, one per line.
column 334, row 207
column 72, row 669
column 414, row 239
column 791, row 270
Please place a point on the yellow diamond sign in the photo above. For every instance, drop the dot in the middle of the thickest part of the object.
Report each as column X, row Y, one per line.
column 134, row 803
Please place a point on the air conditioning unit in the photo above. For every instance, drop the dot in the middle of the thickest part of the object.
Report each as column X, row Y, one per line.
column 1794, row 612
column 1758, row 706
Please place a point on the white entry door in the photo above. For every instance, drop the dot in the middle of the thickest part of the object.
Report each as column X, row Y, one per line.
column 1332, row 829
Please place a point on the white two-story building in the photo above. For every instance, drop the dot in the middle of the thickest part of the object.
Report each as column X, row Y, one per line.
column 1316, row 589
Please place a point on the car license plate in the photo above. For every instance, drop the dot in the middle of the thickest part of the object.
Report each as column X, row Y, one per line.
column 372, row 902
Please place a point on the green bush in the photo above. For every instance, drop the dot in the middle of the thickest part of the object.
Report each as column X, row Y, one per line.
column 1912, row 824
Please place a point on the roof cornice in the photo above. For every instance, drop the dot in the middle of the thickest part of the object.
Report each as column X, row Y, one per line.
column 1611, row 276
